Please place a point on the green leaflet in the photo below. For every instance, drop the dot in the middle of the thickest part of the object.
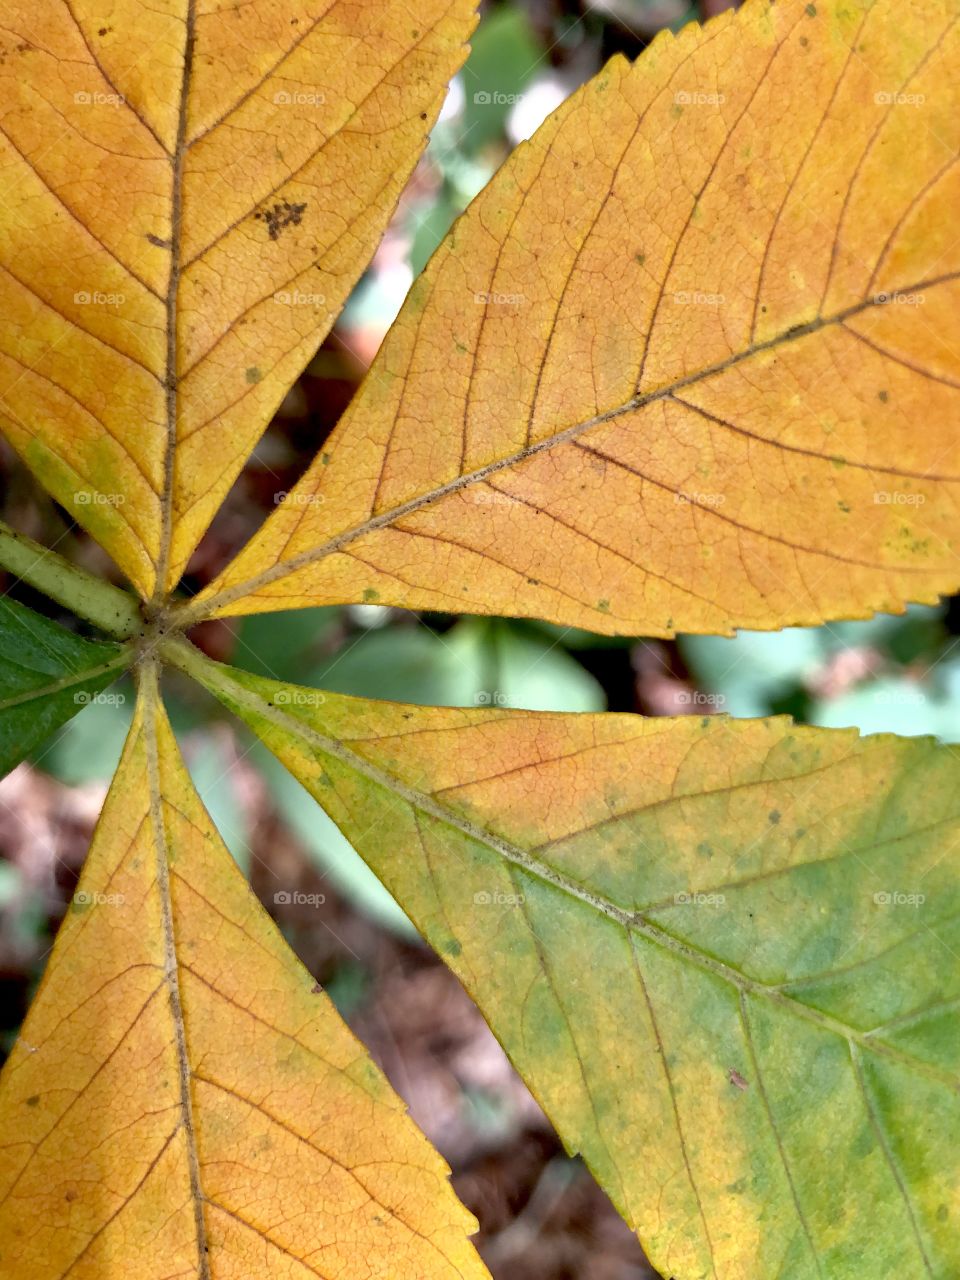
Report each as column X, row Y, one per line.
column 47, row 675
column 722, row 954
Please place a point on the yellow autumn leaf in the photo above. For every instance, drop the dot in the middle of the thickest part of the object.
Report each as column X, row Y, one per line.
column 721, row 953
column 181, row 1101
column 189, row 192
column 690, row 362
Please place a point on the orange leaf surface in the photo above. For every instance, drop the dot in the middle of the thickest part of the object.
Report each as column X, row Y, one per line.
column 180, row 1102
column 690, row 362
column 190, row 191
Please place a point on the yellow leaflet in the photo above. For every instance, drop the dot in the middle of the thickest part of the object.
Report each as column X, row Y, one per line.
column 691, row 362
column 189, row 193
column 180, row 1101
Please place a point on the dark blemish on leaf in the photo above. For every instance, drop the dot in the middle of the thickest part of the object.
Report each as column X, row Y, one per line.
column 370, row 596
column 70, row 1195
column 811, row 10
column 705, row 722
column 883, row 397
column 804, row 41
column 737, row 1079
column 253, row 374
column 294, row 22
column 283, row 214
column 156, row 240
column 773, row 817
column 533, row 582
column 316, row 989
column 704, row 849
column 603, row 606
column 423, row 115
column 451, row 947
column 325, row 459
column 640, row 258
column 33, row 1100
column 104, row 31
column 844, row 507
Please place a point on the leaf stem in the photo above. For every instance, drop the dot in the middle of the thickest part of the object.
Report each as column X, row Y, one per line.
column 108, row 607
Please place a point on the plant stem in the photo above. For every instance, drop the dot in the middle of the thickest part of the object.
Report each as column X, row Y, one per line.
column 178, row 651
column 108, row 607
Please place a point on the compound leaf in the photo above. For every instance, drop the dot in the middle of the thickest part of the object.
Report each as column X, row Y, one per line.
column 182, row 1100
column 47, row 675
column 190, row 192
column 721, row 953
column 691, row 361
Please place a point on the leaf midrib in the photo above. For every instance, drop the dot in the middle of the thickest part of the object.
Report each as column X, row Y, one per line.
column 66, row 682
column 206, row 606
column 215, row 678
column 171, row 378
column 150, row 697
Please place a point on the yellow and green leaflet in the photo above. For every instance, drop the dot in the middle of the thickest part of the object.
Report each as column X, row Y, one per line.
column 721, row 953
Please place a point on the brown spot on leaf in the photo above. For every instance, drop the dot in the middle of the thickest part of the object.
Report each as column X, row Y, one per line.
column 281, row 215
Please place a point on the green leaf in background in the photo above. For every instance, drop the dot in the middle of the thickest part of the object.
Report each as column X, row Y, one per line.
column 477, row 662
column 887, row 674
column 753, row 668
column 47, row 675
column 504, row 55
column 90, row 746
column 284, row 643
